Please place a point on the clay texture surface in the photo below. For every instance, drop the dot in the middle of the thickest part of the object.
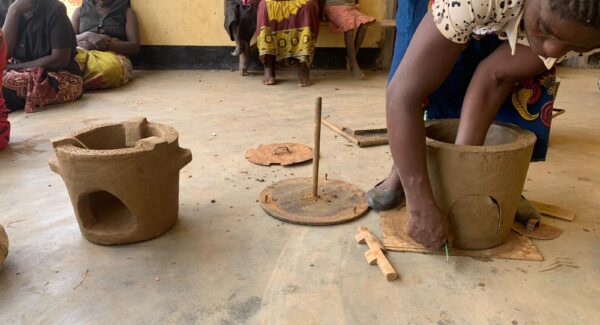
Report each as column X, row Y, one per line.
column 292, row 201
column 3, row 246
column 123, row 179
column 478, row 187
column 284, row 154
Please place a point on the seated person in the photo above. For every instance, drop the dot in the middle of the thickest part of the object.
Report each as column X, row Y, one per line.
column 287, row 32
column 240, row 24
column 534, row 35
column 107, row 34
column 344, row 17
column 41, row 49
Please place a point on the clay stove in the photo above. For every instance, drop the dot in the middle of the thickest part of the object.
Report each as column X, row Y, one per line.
column 478, row 187
column 123, row 179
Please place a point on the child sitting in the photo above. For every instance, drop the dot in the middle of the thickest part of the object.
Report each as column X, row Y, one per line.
column 344, row 17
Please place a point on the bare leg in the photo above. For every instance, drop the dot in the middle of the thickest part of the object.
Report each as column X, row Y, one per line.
column 351, row 54
column 269, row 78
column 361, row 32
column 244, row 58
column 303, row 75
column 238, row 46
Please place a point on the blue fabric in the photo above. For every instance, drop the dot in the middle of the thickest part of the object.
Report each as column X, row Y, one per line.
column 446, row 101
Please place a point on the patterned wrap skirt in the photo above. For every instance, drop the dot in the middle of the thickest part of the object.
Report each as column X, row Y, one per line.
column 288, row 29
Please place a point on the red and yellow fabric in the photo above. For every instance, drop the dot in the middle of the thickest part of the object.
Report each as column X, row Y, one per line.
column 4, row 123
column 39, row 87
column 288, row 29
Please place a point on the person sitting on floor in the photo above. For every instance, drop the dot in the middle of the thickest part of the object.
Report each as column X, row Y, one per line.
column 344, row 17
column 287, row 32
column 107, row 34
column 240, row 24
column 41, row 47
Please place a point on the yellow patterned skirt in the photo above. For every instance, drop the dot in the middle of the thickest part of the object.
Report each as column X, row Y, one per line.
column 288, row 29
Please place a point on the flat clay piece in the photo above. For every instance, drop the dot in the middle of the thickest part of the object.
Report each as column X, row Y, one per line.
column 554, row 211
column 541, row 231
column 3, row 246
column 292, row 201
column 395, row 238
column 284, row 154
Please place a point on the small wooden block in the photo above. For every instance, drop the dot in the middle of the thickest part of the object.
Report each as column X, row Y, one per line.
column 375, row 254
column 554, row 211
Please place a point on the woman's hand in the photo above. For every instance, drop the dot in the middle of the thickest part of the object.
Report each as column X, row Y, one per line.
column 428, row 227
column 94, row 41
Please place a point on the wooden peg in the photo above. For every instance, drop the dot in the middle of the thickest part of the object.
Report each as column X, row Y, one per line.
column 375, row 254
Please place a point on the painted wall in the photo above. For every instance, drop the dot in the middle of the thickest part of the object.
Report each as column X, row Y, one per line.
column 200, row 22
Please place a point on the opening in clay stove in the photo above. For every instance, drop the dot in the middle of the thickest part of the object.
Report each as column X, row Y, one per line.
column 112, row 137
column 446, row 131
column 103, row 212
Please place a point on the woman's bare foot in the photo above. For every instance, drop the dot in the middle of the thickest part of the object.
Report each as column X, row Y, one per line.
column 303, row 75
column 358, row 74
column 269, row 77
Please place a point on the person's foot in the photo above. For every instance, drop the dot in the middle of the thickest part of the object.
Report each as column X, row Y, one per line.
column 237, row 50
column 358, row 74
column 387, row 194
column 269, row 77
column 527, row 214
column 303, row 75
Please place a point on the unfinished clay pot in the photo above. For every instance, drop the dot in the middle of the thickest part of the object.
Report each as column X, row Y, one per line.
column 123, row 179
column 3, row 246
column 478, row 187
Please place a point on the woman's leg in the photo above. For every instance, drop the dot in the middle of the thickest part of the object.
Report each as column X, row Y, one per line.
column 351, row 54
column 269, row 77
column 303, row 75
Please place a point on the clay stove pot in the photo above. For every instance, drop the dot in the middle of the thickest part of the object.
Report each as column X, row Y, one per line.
column 3, row 246
column 123, row 179
column 478, row 187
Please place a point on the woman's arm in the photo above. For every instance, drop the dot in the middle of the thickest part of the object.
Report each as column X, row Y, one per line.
column 59, row 59
column 492, row 83
column 132, row 45
column 11, row 24
column 75, row 19
column 426, row 64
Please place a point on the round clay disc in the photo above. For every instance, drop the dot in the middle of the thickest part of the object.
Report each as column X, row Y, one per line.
column 292, row 201
column 280, row 154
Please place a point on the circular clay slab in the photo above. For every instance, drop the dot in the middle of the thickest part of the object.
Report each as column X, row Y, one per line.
column 284, row 154
column 292, row 201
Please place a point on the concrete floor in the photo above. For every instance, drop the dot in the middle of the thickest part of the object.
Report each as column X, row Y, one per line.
column 229, row 263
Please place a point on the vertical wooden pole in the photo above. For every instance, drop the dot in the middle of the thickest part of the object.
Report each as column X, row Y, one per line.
column 317, row 149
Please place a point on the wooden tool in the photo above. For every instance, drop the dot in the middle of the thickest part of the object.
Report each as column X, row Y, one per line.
column 554, row 211
column 362, row 138
column 317, row 150
column 375, row 254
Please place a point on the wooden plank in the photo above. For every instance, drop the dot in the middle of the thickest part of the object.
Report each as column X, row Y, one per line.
column 395, row 238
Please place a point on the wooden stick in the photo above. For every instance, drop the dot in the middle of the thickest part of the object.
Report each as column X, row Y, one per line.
column 375, row 254
column 317, row 149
